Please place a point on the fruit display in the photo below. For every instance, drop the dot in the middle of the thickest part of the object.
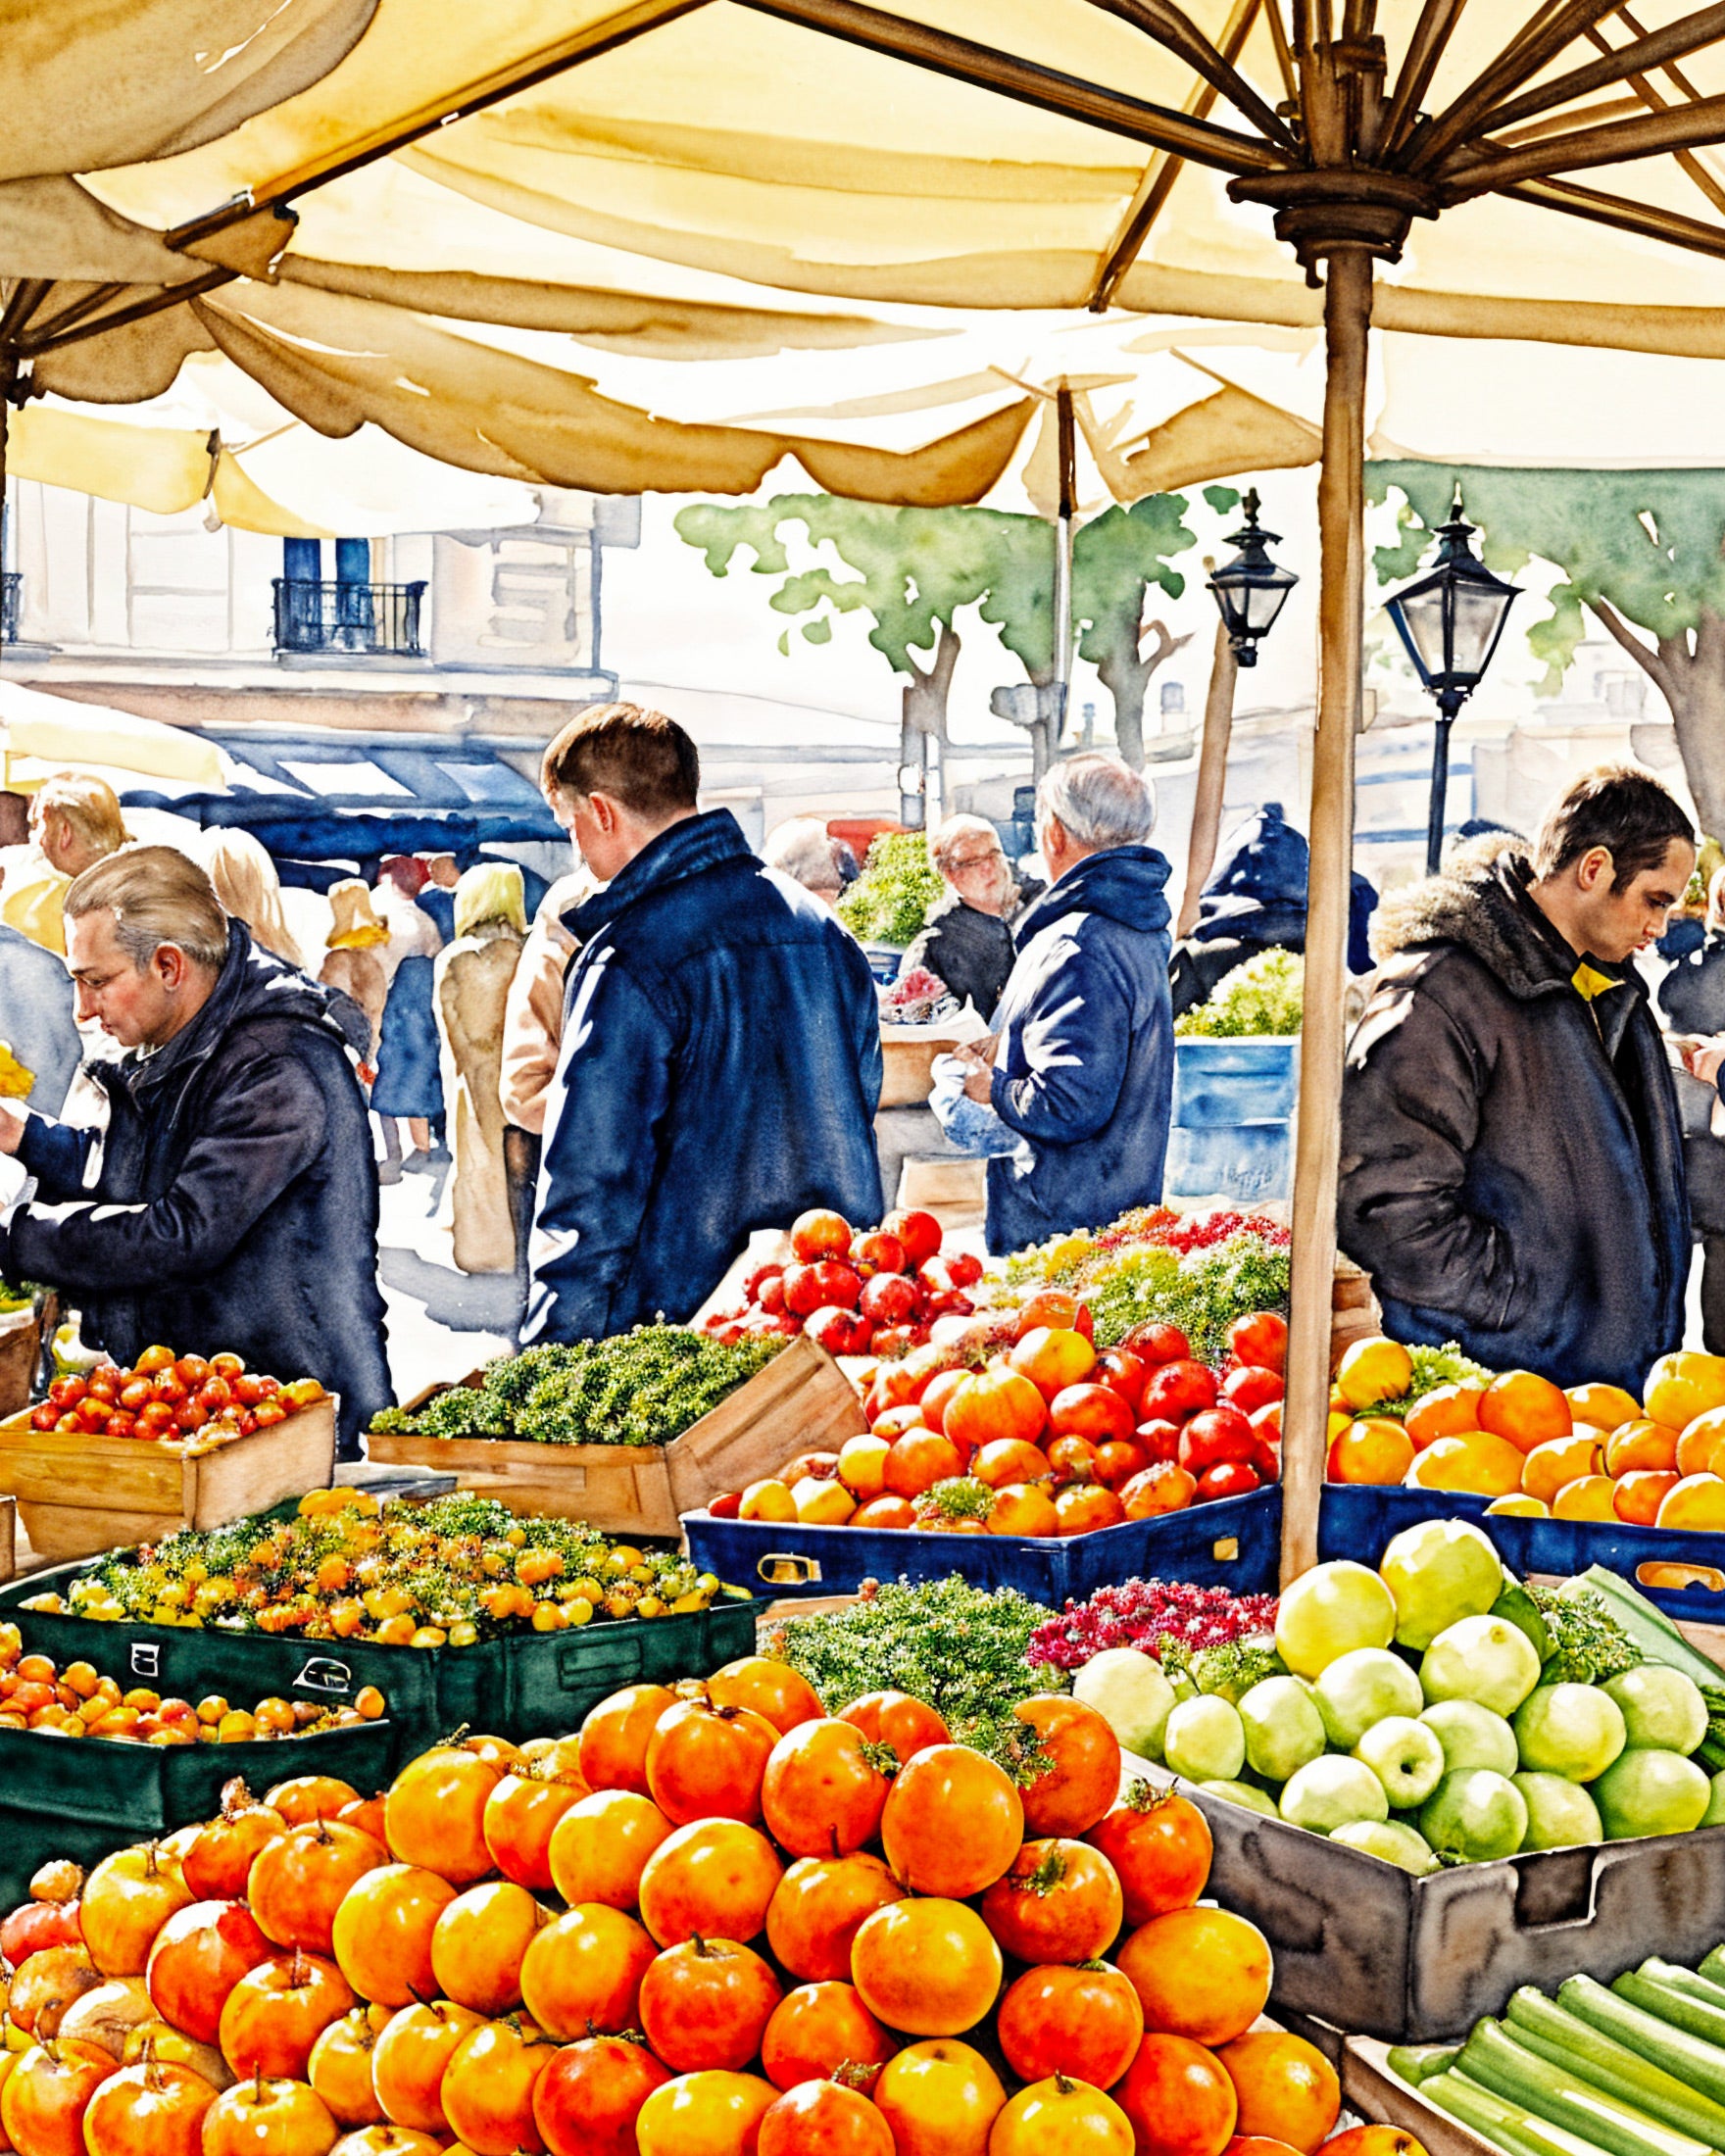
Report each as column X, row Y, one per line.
column 446, row 1573
column 1634, row 2067
column 855, row 1291
column 190, row 1404
column 717, row 1922
column 1435, row 1711
column 1049, row 1436
column 646, row 1387
column 1593, row 1452
column 80, row 1701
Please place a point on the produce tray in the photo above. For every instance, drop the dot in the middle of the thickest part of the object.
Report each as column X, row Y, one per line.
column 800, row 1401
column 1680, row 1570
column 1234, row 1543
column 531, row 1684
column 1368, row 1947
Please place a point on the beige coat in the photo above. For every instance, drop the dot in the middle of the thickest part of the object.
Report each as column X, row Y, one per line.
column 473, row 982
column 532, row 1028
column 360, row 975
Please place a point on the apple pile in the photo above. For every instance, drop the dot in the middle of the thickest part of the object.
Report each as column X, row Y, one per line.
column 717, row 1922
column 173, row 1399
column 1048, row 1436
column 79, row 1700
column 1432, row 1710
column 870, row 1292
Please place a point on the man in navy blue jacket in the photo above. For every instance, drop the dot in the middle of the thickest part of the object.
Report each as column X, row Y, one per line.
column 720, row 1062
column 1082, row 1066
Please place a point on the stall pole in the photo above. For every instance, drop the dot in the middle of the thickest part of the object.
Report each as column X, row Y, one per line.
column 1348, row 296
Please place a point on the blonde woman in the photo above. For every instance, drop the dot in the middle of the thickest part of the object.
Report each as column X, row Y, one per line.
column 250, row 891
column 473, row 982
column 351, row 965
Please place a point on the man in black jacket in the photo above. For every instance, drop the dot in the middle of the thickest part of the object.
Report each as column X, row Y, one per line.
column 1511, row 1154
column 231, row 1203
column 966, row 940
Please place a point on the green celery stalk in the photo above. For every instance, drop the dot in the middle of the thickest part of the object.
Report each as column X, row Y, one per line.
column 1652, row 1989
column 1414, row 2063
column 1700, row 2064
column 1509, row 2070
column 1504, row 2124
column 1564, row 2041
column 1657, row 1638
column 1689, row 1981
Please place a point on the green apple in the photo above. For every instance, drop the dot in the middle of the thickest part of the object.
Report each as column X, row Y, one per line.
column 1130, row 1693
column 1241, row 1793
column 1440, row 1571
column 1204, row 1739
column 1329, row 1792
column 1483, row 1658
column 1406, row 1756
column 1572, row 1729
column 1561, row 1814
column 1475, row 1815
column 1362, row 1688
column 1329, row 1611
column 1662, row 1709
column 1393, row 1839
column 1283, row 1727
column 1714, row 1815
column 1651, row 1792
column 1472, row 1736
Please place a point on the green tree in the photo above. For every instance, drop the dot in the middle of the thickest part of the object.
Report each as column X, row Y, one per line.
column 1643, row 552
column 1118, row 559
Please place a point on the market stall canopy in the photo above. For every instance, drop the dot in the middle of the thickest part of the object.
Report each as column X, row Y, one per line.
column 41, row 734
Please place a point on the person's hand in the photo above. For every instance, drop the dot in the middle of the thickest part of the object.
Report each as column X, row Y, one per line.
column 12, row 1122
column 979, row 1072
column 1703, row 1058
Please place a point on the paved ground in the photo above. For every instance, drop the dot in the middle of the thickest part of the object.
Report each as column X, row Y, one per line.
column 442, row 1322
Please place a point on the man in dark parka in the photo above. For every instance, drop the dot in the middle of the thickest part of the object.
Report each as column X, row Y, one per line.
column 231, row 1203
column 1512, row 1156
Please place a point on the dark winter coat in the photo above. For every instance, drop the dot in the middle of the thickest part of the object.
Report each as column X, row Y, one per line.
column 1511, row 1170
column 1084, row 1068
column 970, row 951
column 232, row 1201
column 1692, row 996
column 719, row 1071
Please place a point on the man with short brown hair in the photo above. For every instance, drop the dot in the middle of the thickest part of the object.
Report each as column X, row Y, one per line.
column 721, row 1056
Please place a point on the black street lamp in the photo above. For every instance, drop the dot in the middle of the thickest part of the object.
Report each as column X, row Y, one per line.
column 1250, row 588
column 1451, row 620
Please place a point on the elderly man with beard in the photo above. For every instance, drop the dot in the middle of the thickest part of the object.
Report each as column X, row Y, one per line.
column 966, row 941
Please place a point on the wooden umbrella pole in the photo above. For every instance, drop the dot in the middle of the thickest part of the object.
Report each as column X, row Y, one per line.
column 1212, row 779
column 1348, row 295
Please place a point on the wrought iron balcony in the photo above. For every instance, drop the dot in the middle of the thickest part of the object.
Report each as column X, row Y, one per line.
column 10, row 605
column 312, row 615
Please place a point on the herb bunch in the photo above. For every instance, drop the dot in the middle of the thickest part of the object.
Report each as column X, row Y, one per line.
column 1261, row 998
column 890, row 899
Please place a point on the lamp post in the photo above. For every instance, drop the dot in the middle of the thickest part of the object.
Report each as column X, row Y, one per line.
column 1450, row 620
column 1250, row 588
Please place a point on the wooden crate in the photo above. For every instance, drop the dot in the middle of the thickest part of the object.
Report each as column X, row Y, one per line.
column 801, row 1403
column 21, row 1350
column 907, row 1067
column 79, row 1496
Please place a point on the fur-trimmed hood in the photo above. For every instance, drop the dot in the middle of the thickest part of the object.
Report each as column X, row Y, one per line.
column 1479, row 900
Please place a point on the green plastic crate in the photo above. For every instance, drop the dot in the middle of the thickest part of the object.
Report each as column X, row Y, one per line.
column 531, row 1684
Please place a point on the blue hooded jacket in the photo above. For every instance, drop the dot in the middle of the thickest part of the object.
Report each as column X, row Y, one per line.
column 1084, row 1069
column 1257, row 893
column 720, row 1072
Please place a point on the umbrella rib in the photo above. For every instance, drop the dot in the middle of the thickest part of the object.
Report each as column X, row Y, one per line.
column 153, row 303
column 78, row 310
column 1677, row 127
column 1669, row 226
column 1424, row 50
column 1273, row 15
column 1655, row 100
column 1538, row 45
column 1172, row 28
column 986, row 67
column 1652, row 50
column 1160, row 181
column 27, row 294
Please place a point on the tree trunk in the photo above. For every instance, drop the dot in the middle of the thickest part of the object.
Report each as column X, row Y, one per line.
column 1693, row 684
column 922, row 718
column 1126, row 676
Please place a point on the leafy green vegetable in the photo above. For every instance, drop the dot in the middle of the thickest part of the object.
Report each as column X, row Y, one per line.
column 1203, row 1292
column 960, row 1650
column 1230, row 1671
column 889, row 900
column 1588, row 1644
column 1263, row 996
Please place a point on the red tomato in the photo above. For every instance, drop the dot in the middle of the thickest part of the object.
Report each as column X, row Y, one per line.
column 266, row 1411
column 93, row 1414
column 1249, row 1388
column 121, row 1425
column 227, row 1364
column 155, row 1420
column 191, row 1371
column 1261, row 1340
column 168, row 1387
column 250, row 1389
column 45, row 1416
column 190, row 1415
column 135, row 1393
column 1158, row 1343
column 1177, row 1390
column 820, row 1233
column 215, row 1393
column 1219, row 1434
column 1232, row 1479
column 1123, row 1373
column 919, row 1232
column 66, row 1392
column 1159, row 1441
column 880, row 1253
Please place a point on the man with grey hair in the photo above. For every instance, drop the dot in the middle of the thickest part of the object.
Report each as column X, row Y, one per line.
column 966, row 940
column 803, row 849
column 231, row 1201
column 1082, row 1063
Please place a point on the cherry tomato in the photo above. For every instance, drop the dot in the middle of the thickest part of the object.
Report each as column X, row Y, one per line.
column 227, row 1364
column 190, row 1415
column 191, row 1371
column 169, row 1388
column 215, row 1393
column 67, row 1392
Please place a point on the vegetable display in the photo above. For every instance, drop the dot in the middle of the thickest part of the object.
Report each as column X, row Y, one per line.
column 1435, row 1711
column 645, row 1388
column 1263, row 996
column 721, row 1921
column 442, row 1574
column 190, row 1404
column 890, row 899
column 1167, row 1619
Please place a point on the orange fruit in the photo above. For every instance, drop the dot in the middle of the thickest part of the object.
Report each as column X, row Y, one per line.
column 952, row 1825
column 1052, row 1357
column 1373, row 1369
column 1444, row 1412
column 1374, row 2141
column 927, row 1966
column 1022, row 1508
column 863, row 1466
column 1587, row 1497
column 997, row 1403
column 1004, row 1461
column 1178, row 2098
column 1641, row 1493
column 1377, row 1450
column 919, row 1460
column 938, row 1396
column 1198, row 1973
column 1685, row 1384
column 1606, row 1406
column 1287, row 2089
column 1487, row 1466
column 1559, row 1460
column 1698, row 1444
column 1641, row 1443
column 1519, row 1506
column 1525, row 1408
column 1696, row 1501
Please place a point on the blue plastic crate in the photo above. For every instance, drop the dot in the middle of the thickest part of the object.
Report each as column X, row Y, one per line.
column 1219, row 1084
column 1356, row 1520
column 1247, row 1162
column 1234, row 1543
